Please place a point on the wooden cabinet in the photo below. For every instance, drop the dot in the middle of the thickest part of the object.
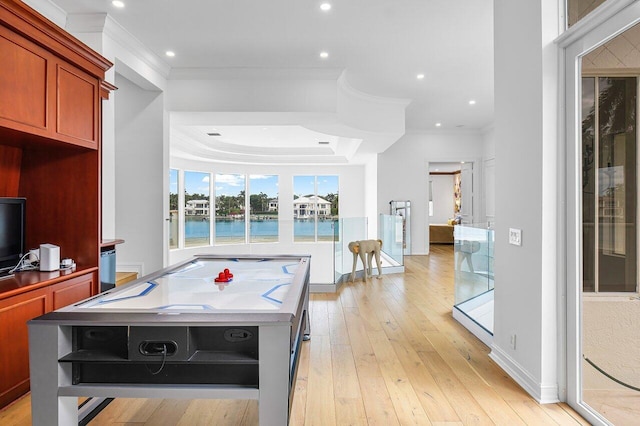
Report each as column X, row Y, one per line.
column 76, row 111
column 14, row 356
column 51, row 88
column 22, row 306
column 52, row 99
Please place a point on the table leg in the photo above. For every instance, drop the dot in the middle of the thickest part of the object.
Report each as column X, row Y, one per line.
column 275, row 354
column 46, row 342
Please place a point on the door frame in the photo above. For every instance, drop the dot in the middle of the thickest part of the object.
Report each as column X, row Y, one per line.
column 606, row 22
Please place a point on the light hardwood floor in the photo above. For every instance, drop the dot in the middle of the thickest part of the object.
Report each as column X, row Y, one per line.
column 382, row 352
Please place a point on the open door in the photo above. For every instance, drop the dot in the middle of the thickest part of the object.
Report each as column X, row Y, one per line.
column 466, row 186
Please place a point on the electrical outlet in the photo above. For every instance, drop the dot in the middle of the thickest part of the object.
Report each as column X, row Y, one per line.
column 512, row 342
column 515, row 236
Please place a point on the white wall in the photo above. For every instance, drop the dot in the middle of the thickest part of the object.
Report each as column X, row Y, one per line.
column 352, row 200
column 139, row 176
column 526, row 147
column 443, row 199
column 403, row 175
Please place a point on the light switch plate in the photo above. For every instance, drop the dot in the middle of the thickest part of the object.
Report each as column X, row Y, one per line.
column 515, row 236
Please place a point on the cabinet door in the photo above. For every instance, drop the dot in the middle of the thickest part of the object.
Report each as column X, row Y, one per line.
column 77, row 106
column 72, row 291
column 14, row 356
column 24, row 84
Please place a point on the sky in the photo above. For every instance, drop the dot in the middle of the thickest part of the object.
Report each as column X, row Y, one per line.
column 232, row 184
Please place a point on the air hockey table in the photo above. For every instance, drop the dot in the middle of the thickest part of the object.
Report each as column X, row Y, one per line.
column 210, row 327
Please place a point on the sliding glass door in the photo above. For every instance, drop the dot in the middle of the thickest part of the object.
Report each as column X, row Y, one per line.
column 602, row 69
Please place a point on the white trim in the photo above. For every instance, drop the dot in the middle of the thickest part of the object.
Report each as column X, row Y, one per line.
column 541, row 392
column 131, row 267
column 603, row 12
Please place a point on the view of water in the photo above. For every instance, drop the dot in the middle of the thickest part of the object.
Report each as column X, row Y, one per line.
column 235, row 228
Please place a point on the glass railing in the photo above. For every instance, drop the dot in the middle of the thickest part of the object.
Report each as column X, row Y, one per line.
column 348, row 229
column 390, row 231
column 473, row 257
column 355, row 229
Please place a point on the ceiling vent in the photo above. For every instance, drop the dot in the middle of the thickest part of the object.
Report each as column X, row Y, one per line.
column 213, row 134
column 323, row 142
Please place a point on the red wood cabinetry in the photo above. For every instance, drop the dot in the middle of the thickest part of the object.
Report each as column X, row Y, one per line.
column 51, row 88
column 18, row 306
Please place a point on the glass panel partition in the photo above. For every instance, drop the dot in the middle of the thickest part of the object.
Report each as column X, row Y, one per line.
column 347, row 230
column 391, row 233
column 473, row 252
column 355, row 229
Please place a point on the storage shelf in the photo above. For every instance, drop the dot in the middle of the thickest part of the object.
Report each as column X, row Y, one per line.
column 217, row 357
column 93, row 355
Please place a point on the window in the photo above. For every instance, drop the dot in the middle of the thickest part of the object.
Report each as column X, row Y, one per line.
column 174, row 234
column 315, row 208
column 230, row 209
column 263, row 208
column 197, row 230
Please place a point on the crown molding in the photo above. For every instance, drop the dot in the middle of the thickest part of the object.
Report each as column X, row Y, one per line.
column 105, row 24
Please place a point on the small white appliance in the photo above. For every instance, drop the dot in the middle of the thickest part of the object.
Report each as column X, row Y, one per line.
column 49, row 257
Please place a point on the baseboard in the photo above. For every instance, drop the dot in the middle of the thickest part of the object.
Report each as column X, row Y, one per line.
column 131, row 267
column 323, row 288
column 544, row 394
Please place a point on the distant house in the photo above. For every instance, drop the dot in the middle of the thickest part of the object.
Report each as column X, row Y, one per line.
column 306, row 207
column 273, row 205
column 197, row 208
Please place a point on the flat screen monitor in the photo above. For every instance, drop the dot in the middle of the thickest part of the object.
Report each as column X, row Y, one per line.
column 12, row 231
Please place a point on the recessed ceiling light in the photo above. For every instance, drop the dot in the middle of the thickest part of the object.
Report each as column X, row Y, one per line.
column 438, row 124
column 420, row 76
column 325, row 7
column 324, row 55
column 170, row 53
column 118, row 3
column 472, row 102
column 462, row 162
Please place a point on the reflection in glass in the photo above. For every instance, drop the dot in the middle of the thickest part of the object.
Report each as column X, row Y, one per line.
column 230, row 208
column 263, row 205
column 588, row 183
column 608, row 323
column 617, row 179
column 196, row 209
column 174, row 234
column 578, row 9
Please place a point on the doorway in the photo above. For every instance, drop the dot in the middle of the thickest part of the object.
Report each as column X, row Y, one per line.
column 603, row 309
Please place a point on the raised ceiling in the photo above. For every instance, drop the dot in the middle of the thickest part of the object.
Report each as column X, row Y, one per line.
column 379, row 46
